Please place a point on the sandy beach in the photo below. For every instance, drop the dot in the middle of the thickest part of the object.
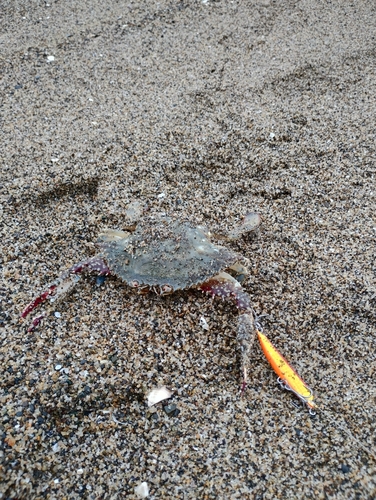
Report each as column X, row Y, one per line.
column 203, row 111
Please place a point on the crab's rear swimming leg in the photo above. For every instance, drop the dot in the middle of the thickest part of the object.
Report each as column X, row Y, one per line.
column 225, row 286
column 64, row 284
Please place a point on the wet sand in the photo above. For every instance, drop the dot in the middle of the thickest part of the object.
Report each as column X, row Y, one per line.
column 202, row 111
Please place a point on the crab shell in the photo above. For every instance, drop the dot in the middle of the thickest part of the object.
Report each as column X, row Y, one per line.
column 165, row 256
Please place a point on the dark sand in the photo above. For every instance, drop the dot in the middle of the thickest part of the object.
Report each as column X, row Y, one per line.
column 224, row 107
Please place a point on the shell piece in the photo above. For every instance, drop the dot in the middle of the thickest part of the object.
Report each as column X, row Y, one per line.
column 157, row 395
column 142, row 490
column 171, row 255
column 113, row 235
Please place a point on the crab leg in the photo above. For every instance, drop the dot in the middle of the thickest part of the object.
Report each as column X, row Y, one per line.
column 38, row 300
column 225, row 286
column 245, row 337
column 64, row 284
column 96, row 264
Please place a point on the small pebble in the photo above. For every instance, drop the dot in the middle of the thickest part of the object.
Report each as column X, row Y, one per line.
column 204, row 323
column 58, row 367
column 100, row 280
column 50, row 58
column 345, row 468
column 57, row 314
column 169, row 409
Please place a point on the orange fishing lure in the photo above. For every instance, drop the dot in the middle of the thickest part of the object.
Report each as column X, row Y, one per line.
column 288, row 377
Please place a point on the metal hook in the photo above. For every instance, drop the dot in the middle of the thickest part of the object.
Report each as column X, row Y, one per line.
column 304, row 399
column 296, row 404
column 284, row 385
column 256, row 320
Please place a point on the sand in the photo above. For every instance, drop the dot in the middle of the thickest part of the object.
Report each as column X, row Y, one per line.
column 205, row 111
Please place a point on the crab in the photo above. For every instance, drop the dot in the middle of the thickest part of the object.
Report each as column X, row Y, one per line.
column 162, row 255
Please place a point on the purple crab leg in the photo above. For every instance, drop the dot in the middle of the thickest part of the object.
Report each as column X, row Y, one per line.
column 38, row 300
column 63, row 284
column 36, row 322
column 96, row 264
column 226, row 286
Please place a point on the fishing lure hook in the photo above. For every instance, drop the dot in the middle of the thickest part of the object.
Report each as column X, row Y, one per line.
column 304, row 399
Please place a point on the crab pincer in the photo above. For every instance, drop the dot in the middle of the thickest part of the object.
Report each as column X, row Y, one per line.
column 38, row 300
column 63, row 285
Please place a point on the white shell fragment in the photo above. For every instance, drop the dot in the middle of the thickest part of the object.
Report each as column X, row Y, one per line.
column 142, row 490
column 50, row 58
column 157, row 395
column 204, row 323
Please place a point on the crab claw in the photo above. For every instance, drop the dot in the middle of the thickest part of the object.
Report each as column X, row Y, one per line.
column 36, row 322
column 38, row 300
column 63, row 285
